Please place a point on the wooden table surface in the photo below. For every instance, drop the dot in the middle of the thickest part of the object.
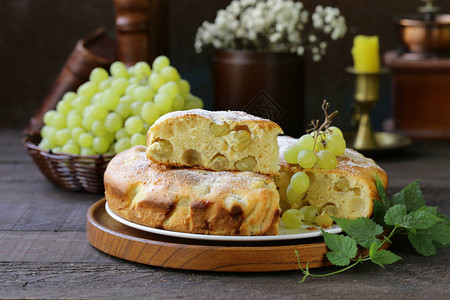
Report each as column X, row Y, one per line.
column 44, row 252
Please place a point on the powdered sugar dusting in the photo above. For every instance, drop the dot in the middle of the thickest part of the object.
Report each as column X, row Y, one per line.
column 218, row 117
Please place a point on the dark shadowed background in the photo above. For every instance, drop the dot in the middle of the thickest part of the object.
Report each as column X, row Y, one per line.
column 36, row 37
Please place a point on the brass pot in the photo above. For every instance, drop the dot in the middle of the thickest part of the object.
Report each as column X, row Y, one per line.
column 423, row 37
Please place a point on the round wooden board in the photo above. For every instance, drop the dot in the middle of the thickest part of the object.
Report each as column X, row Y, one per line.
column 116, row 239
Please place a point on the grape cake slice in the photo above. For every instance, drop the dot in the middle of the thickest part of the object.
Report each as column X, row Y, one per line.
column 345, row 192
column 190, row 200
column 215, row 140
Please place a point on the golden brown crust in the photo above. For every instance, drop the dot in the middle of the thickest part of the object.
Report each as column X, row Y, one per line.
column 358, row 171
column 197, row 137
column 190, row 200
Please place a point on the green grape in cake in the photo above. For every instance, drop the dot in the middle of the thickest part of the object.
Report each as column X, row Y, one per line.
column 292, row 218
column 114, row 110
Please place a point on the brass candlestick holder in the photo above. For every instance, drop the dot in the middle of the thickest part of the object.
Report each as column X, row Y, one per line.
column 367, row 94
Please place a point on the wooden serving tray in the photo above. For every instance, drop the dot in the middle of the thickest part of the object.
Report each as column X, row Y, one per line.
column 116, row 239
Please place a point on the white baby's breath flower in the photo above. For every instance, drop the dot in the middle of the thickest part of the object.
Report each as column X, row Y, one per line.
column 274, row 25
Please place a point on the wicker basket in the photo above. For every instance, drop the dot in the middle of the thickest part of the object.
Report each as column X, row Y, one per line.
column 72, row 172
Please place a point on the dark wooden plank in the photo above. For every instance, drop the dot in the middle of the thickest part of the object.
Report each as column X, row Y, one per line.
column 409, row 279
column 48, row 247
column 43, row 206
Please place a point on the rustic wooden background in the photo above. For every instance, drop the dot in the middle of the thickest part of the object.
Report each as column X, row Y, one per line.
column 37, row 36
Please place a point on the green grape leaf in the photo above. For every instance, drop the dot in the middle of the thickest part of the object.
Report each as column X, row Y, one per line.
column 373, row 248
column 384, row 257
column 422, row 218
column 381, row 191
column 411, row 196
column 395, row 215
column 423, row 243
column 380, row 206
column 343, row 248
column 362, row 230
column 426, row 241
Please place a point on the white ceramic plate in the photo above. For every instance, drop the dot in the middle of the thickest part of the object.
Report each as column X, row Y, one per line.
column 284, row 232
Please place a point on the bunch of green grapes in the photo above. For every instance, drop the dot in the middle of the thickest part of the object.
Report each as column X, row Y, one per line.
column 111, row 113
column 317, row 148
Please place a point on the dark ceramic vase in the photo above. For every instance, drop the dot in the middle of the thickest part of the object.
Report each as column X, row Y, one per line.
column 266, row 84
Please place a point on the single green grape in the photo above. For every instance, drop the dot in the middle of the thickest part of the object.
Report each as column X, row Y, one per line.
column 133, row 125
column 292, row 196
column 76, row 132
column 145, row 128
column 133, row 80
column 156, row 81
column 85, row 140
column 105, row 84
column 98, row 112
column 193, row 102
column 80, row 103
column 335, row 143
column 47, row 130
column 326, row 160
column 121, row 145
column 62, row 136
column 138, row 139
column 143, row 93
column 58, row 121
column 57, row 149
column 150, row 112
column 121, row 134
column 118, row 69
column 292, row 218
column 177, row 103
column 87, row 122
column 160, row 62
column 291, row 153
column 63, row 107
column 98, row 75
column 110, row 99
column 113, row 122
column 170, row 73
column 69, row 96
column 110, row 136
column 163, row 102
column 87, row 89
column 334, row 129
column 100, row 144
column 300, row 182
column 185, row 87
column 127, row 99
column 97, row 98
column 309, row 213
column 306, row 158
column 74, row 120
column 98, row 128
column 119, row 85
column 130, row 89
column 136, row 107
column 46, row 144
column 87, row 152
column 171, row 89
column 71, row 148
column 48, row 117
column 141, row 70
column 123, row 110
column 306, row 141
